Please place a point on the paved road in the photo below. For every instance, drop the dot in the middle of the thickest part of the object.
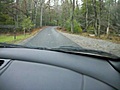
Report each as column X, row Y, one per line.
column 50, row 38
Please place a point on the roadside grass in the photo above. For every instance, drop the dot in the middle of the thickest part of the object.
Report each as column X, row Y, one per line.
column 9, row 38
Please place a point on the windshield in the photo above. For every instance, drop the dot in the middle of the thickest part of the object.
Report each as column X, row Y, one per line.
column 71, row 24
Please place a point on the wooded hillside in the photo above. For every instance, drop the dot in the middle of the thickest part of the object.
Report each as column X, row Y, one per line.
column 77, row 16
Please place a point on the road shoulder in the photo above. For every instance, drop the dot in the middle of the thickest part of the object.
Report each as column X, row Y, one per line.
column 95, row 44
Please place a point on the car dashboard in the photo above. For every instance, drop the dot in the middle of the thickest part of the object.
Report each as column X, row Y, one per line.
column 32, row 69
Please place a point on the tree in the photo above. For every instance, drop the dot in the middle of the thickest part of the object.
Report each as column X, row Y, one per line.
column 86, row 15
column 72, row 15
column 5, row 17
column 26, row 24
column 41, row 12
column 115, row 16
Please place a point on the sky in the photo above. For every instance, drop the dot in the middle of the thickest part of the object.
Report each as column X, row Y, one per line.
column 52, row 2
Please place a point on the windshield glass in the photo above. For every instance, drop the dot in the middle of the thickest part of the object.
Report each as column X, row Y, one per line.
column 83, row 24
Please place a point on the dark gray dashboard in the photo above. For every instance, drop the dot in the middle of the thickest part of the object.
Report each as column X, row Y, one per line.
column 32, row 69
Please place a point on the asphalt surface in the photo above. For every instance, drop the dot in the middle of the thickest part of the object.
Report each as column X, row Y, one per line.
column 50, row 38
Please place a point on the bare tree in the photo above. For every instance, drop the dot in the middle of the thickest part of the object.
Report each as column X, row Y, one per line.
column 108, row 21
column 99, row 16
column 41, row 11
column 86, row 15
column 72, row 15
column 95, row 17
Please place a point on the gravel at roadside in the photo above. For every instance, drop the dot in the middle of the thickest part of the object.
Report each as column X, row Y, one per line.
column 96, row 44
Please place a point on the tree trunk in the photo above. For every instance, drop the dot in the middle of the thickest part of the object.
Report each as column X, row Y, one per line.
column 72, row 17
column 24, row 32
column 108, row 23
column 41, row 12
column 35, row 12
column 16, row 19
column 14, row 33
column 95, row 15
column 86, row 16
column 36, row 15
column 100, row 9
column 49, row 11
column 41, row 15
column 107, row 32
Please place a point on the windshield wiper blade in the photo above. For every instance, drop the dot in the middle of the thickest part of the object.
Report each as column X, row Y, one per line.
column 5, row 45
column 79, row 50
column 71, row 48
column 66, row 49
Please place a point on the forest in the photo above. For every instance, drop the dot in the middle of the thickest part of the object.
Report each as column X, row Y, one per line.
column 96, row 17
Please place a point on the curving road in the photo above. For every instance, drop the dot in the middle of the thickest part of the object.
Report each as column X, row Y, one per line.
column 50, row 38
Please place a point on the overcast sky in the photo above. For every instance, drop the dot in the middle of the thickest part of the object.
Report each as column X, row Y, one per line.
column 52, row 2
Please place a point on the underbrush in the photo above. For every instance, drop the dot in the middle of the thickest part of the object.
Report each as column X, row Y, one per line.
column 9, row 37
column 112, row 38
